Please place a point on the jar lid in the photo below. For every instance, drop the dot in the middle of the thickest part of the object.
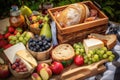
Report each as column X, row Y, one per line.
column 15, row 13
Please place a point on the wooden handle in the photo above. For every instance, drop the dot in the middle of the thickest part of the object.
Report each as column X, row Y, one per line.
column 83, row 74
column 84, row 71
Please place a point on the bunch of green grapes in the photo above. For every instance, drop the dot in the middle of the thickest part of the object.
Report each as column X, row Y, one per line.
column 97, row 55
column 79, row 49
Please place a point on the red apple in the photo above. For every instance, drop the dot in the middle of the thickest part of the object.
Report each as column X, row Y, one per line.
column 35, row 76
column 15, row 32
column 56, row 67
column 45, row 73
column 79, row 60
column 7, row 35
column 3, row 43
column 1, row 36
column 40, row 66
column 11, row 29
column 7, row 46
column 4, row 71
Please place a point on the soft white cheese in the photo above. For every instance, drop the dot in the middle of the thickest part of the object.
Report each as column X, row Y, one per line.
column 92, row 43
column 27, row 56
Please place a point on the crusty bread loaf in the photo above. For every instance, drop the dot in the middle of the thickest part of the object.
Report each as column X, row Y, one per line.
column 87, row 11
column 112, row 39
column 73, row 14
column 109, row 40
column 81, row 8
column 63, row 52
column 69, row 16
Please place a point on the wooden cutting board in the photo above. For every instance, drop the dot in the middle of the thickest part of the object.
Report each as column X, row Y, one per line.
column 80, row 73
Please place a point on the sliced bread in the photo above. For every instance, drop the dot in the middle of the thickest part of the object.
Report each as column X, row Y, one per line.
column 63, row 52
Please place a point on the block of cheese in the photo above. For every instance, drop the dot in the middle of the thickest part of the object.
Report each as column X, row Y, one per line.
column 27, row 56
column 91, row 44
column 11, row 52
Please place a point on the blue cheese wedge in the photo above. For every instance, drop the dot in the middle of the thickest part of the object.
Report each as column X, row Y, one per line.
column 91, row 44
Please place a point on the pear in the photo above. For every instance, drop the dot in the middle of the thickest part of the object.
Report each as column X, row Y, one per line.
column 46, row 31
column 46, row 18
column 25, row 10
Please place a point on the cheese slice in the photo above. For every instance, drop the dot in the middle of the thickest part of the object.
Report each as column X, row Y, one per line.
column 27, row 56
column 29, row 67
column 91, row 44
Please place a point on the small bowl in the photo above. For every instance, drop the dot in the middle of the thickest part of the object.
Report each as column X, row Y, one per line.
column 20, row 75
column 40, row 55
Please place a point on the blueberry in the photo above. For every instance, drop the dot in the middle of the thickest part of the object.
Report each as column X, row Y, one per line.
column 33, row 43
column 40, row 43
column 48, row 39
column 30, row 40
column 40, row 50
column 44, row 43
column 31, row 48
column 37, row 41
column 47, row 46
column 37, row 46
column 30, row 44
column 43, row 48
column 42, row 37
column 34, row 49
column 36, row 36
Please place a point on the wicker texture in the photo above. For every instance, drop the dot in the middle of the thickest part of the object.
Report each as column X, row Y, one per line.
column 80, row 35
column 20, row 75
column 40, row 56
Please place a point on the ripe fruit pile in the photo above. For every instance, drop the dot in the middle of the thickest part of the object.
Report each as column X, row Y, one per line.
column 24, row 37
column 45, row 71
column 19, row 66
column 39, row 43
column 12, row 31
column 97, row 55
column 79, row 48
column 38, row 20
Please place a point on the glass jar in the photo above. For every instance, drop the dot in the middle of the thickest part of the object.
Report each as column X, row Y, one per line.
column 16, row 18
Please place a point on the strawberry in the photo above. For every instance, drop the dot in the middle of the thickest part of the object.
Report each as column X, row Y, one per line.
column 7, row 35
column 11, row 29
column 3, row 43
column 7, row 46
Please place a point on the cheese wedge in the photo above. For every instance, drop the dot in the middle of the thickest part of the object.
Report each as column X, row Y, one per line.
column 91, row 44
column 27, row 56
column 29, row 67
